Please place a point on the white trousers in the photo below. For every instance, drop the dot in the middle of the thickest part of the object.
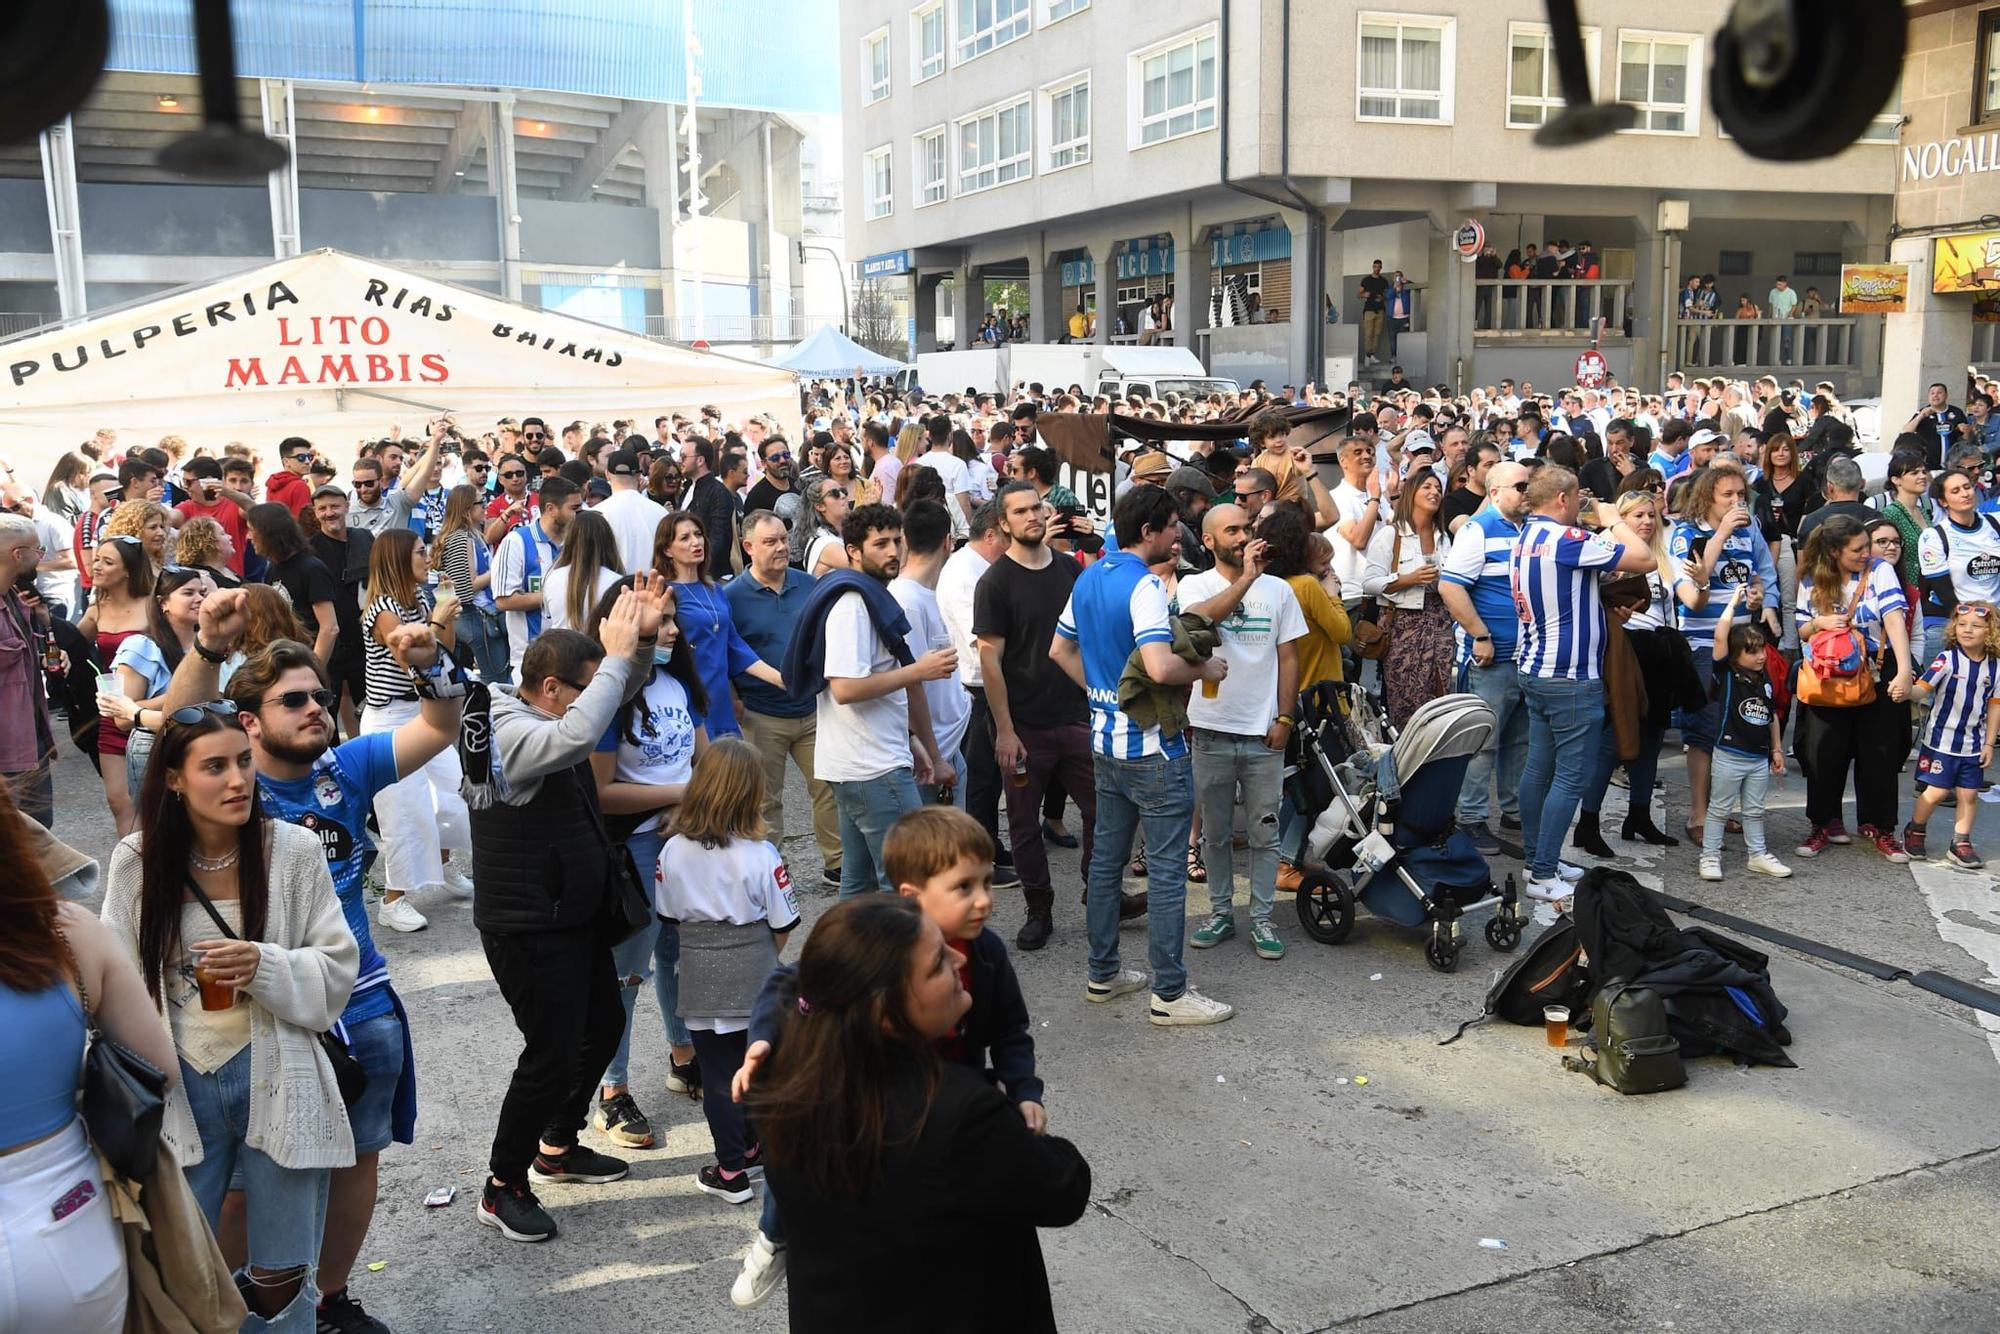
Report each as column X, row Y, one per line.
column 64, row 1273
column 421, row 815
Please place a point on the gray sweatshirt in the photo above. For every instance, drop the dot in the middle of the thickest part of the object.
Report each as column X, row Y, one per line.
column 528, row 745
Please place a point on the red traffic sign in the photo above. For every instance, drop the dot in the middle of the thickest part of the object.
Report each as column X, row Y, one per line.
column 1592, row 371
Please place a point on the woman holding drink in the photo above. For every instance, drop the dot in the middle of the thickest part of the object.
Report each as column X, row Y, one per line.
column 1404, row 560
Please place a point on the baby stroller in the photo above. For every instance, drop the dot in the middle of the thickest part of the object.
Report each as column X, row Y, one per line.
column 1386, row 833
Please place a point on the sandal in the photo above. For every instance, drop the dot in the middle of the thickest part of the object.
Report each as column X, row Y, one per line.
column 1197, row 871
column 1137, row 870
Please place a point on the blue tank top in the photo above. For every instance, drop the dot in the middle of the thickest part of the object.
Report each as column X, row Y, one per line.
column 41, row 1048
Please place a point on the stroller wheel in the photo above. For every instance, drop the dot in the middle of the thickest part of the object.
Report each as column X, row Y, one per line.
column 1326, row 907
column 1503, row 933
column 1442, row 954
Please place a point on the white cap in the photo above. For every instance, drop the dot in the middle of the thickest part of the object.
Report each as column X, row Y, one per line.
column 1703, row 438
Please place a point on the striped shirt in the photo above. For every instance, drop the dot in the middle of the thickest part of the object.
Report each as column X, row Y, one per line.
column 385, row 681
column 1745, row 556
column 1482, row 559
column 1117, row 605
column 1555, row 594
column 1963, row 686
column 1884, row 595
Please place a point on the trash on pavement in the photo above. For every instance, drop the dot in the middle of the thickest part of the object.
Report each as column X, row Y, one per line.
column 1492, row 1244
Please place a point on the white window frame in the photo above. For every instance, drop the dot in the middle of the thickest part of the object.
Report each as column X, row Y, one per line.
column 1447, row 30
column 883, row 203
column 1887, row 127
column 1551, row 99
column 997, row 34
column 1079, row 148
column 920, row 184
column 872, row 92
column 1055, row 11
column 1135, row 84
column 1696, row 92
column 942, row 61
column 1022, row 161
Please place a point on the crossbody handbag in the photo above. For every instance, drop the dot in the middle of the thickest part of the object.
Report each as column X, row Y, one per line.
column 347, row 1071
column 1834, row 671
column 629, row 907
column 1371, row 636
column 123, row 1098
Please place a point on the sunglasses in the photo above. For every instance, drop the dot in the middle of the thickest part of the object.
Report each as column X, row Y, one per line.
column 564, row 680
column 124, row 537
column 835, row 494
column 298, row 699
column 1654, row 486
column 1982, row 612
column 301, row 458
column 1517, row 486
column 535, row 435
column 194, row 713
column 478, row 467
column 513, row 476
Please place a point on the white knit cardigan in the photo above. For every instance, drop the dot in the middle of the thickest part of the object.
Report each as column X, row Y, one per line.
column 310, row 960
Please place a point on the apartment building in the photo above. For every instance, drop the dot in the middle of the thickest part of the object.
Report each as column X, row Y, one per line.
column 1081, row 147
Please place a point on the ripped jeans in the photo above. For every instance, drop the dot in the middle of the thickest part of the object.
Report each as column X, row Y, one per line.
column 655, row 952
column 1222, row 761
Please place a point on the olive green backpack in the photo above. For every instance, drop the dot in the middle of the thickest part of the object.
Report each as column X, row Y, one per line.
column 1636, row 1051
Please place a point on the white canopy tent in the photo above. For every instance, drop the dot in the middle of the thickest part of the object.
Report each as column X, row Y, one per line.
column 338, row 348
column 832, row 354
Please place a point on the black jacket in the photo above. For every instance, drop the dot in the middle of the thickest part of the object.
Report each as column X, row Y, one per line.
column 945, row 1237
column 542, row 864
column 711, row 502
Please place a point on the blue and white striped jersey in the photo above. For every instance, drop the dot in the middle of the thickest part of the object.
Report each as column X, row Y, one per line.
column 1482, row 559
column 1555, row 594
column 1117, row 605
column 1745, row 556
column 1961, row 687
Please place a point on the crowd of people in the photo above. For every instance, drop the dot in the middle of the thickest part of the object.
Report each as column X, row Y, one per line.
column 563, row 673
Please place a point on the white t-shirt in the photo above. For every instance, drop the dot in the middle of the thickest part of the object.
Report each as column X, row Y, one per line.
column 634, row 520
column 510, row 576
column 665, row 728
column 951, row 707
column 859, row 742
column 555, row 596
column 950, row 467
column 1350, row 502
column 1246, row 703
column 957, row 582
column 741, row 882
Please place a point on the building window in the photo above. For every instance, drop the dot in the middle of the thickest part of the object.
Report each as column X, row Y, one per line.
column 1405, row 71
column 1986, row 79
column 1062, row 9
column 875, row 66
column 1733, row 263
column 1887, row 127
column 929, row 164
column 985, row 24
column 1816, row 264
column 1534, row 87
column 927, row 41
column 1069, row 125
column 880, row 169
column 1657, row 74
column 994, row 147
column 1175, row 87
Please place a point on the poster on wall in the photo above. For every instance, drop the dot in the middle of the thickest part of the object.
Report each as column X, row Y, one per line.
column 1967, row 262
column 1874, row 289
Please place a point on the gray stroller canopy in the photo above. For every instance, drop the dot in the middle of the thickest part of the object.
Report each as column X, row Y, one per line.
column 1444, row 728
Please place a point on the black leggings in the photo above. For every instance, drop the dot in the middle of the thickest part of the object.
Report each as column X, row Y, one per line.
column 1873, row 740
column 721, row 1055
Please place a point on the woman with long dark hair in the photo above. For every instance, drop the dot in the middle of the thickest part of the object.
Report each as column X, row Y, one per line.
column 245, row 956
column 680, row 552
column 1785, row 494
column 121, row 600
column 1404, row 561
column 586, row 567
column 145, row 663
column 59, row 969
column 293, row 567
column 860, row 1120
column 68, row 493
column 642, row 767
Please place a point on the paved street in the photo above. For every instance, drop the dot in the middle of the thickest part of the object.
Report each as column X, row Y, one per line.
column 1246, row 1178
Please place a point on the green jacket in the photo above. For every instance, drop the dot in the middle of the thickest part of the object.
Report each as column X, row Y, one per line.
column 1148, row 704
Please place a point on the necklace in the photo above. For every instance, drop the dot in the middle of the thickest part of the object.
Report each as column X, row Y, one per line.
column 211, row 864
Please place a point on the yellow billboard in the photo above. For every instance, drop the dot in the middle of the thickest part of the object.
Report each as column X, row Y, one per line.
column 1967, row 262
column 1874, row 289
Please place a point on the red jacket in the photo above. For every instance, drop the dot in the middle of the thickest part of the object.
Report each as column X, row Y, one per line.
column 290, row 490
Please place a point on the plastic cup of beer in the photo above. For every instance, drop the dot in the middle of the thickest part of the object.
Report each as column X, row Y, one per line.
column 1555, row 1024
column 215, row 993
column 1020, row 773
column 1210, row 689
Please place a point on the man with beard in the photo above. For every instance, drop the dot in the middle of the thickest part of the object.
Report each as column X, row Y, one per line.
column 286, row 709
column 774, row 490
column 874, row 742
column 524, row 558
column 344, row 550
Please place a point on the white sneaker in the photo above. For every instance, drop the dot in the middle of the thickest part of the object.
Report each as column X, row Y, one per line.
column 1124, row 984
column 457, row 881
column 1765, row 864
column 1186, row 1009
column 1569, row 871
column 1549, row 891
column 763, row 1267
column 400, row 915
column 1711, row 868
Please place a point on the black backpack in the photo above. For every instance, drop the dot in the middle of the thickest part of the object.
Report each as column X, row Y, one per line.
column 1636, row 1050
column 1550, row 971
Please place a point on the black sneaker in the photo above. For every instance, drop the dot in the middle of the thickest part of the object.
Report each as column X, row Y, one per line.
column 621, row 1120
column 1004, row 874
column 731, row 1186
column 753, row 1161
column 1510, row 822
column 1131, row 905
column 684, row 1079
column 516, row 1212
column 584, row 1166
column 829, row 878
column 339, row 1313
column 1034, row 932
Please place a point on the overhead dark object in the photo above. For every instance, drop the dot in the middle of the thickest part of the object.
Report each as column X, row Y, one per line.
column 1582, row 118
column 222, row 149
column 51, row 55
column 1800, row 79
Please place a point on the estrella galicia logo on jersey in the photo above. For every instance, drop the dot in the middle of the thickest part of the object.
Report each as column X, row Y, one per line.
column 1755, row 712
column 1983, row 566
column 1733, row 572
column 334, row 840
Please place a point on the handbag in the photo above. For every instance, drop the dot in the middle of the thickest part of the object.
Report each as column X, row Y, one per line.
column 628, row 908
column 1371, row 636
column 123, row 1098
column 1834, row 671
column 347, row 1072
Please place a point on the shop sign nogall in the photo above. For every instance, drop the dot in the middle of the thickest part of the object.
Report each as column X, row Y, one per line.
column 1966, row 156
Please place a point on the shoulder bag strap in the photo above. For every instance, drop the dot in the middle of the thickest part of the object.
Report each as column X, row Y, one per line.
column 208, row 904
column 76, row 975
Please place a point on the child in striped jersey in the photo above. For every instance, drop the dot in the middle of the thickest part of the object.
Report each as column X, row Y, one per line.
column 1961, row 683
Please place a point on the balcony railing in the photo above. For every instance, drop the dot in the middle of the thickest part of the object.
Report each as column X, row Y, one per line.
column 727, row 328
column 1768, row 345
column 1550, row 307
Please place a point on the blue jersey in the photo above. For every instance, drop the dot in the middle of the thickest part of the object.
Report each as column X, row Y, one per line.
column 1482, row 559
column 1117, row 605
column 1555, row 595
column 332, row 801
column 1961, row 688
column 1669, row 466
column 1745, row 556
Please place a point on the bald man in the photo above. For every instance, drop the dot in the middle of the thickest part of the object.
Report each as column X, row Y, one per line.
column 1240, row 729
column 1477, row 589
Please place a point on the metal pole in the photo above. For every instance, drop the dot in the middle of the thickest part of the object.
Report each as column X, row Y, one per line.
column 691, row 49
column 65, row 216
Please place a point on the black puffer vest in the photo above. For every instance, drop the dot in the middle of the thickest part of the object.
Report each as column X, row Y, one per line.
column 542, row 864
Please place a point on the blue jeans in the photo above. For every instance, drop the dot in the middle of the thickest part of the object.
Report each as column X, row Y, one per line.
column 481, row 637
column 378, row 1045
column 1222, row 761
column 654, row 952
column 1736, row 778
column 768, row 1222
column 286, row 1207
column 1563, row 720
column 1500, row 686
column 866, row 812
column 1156, row 794
column 1641, row 769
